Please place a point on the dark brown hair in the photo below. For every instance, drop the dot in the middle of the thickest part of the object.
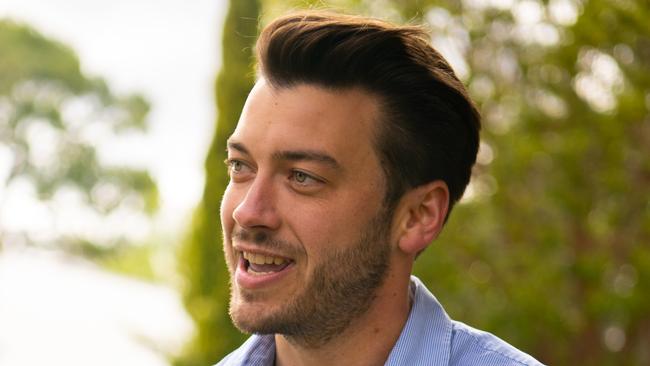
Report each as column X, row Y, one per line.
column 429, row 128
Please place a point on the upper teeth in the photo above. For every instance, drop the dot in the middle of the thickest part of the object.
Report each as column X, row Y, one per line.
column 262, row 259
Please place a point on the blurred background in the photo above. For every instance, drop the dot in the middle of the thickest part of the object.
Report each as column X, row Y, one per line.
column 113, row 117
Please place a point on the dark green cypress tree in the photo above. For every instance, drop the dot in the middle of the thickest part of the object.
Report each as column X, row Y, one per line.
column 201, row 258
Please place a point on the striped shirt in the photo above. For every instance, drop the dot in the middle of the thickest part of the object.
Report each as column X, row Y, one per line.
column 429, row 338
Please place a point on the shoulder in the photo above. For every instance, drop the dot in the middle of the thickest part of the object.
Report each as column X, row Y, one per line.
column 430, row 337
column 236, row 357
column 231, row 359
column 470, row 346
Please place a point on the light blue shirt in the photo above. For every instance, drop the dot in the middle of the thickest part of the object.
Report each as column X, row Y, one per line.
column 429, row 338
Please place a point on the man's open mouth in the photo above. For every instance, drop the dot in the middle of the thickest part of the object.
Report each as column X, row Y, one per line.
column 262, row 264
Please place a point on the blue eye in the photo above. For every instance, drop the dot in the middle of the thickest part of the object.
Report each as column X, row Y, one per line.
column 235, row 165
column 238, row 169
column 305, row 180
column 300, row 177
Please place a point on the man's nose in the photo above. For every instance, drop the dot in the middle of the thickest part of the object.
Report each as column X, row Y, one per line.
column 258, row 207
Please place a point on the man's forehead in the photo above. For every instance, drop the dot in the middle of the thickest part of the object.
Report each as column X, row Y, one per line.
column 306, row 121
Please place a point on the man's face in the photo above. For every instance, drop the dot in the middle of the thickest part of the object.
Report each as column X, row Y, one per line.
column 305, row 233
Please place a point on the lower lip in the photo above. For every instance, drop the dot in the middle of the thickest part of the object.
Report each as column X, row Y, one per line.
column 257, row 281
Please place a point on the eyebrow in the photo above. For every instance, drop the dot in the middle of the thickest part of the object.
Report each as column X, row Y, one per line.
column 293, row 155
column 232, row 145
column 307, row 155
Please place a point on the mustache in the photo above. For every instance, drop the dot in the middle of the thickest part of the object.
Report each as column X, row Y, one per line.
column 263, row 239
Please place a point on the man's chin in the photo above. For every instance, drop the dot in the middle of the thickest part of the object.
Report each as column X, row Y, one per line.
column 248, row 308
column 254, row 318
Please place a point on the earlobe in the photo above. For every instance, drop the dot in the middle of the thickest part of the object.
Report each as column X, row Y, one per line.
column 426, row 207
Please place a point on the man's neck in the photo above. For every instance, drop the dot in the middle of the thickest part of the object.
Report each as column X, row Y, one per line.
column 367, row 341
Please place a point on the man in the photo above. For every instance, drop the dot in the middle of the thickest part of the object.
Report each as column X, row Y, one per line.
column 352, row 148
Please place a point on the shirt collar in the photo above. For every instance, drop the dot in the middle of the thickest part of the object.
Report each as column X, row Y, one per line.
column 426, row 336
column 260, row 351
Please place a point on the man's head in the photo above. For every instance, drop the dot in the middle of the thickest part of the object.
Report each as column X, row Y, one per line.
column 349, row 149
column 428, row 126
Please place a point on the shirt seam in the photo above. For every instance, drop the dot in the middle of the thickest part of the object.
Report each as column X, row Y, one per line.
column 489, row 349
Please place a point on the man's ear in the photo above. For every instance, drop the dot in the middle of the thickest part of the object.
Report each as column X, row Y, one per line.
column 423, row 213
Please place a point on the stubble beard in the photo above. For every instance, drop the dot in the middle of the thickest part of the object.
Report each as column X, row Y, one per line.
column 342, row 288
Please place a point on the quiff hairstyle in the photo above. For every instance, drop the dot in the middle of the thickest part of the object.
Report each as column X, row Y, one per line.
column 429, row 128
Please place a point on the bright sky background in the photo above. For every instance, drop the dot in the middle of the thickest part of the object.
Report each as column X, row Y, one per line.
column 66, row 311
column 167, row 50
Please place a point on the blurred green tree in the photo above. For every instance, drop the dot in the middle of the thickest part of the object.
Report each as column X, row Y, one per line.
column 550, row 248
column 201, row 259
column 49, row 113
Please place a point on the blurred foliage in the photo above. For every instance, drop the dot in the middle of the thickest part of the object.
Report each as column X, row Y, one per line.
column 121, row 257
column 553, row 249
column 201, row 259
column 550, row 248
column 51, row 114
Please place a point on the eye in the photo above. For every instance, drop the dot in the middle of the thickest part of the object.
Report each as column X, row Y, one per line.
column 236, row 165
column 300, row 177
column 305, row 180
column 237, row 168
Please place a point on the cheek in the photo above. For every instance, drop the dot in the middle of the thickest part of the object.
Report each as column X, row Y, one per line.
column 349, row 220
column 322, row 230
